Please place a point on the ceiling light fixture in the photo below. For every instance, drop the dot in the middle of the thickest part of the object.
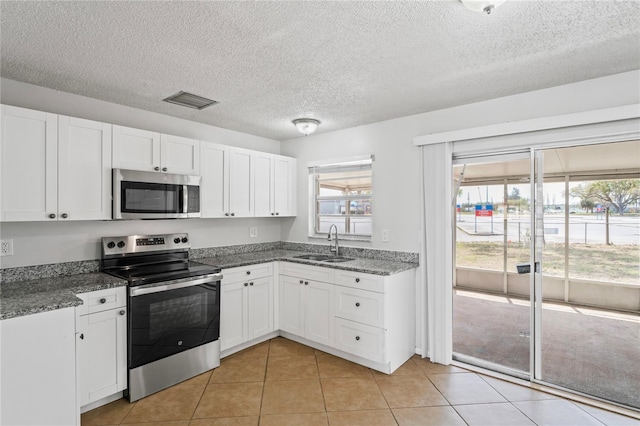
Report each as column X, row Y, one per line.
column 485, row 6
column 306, row 126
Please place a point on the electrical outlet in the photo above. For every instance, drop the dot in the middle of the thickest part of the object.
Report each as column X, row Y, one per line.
column 385, row 236
column 253, row 232
column 6, row 247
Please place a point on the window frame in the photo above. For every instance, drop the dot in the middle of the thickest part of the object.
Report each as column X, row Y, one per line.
column 364, row 163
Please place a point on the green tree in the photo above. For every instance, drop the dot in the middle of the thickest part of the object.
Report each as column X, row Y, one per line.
column 617, row 193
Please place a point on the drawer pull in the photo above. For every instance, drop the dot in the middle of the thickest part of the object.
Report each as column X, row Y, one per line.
column 301, row 282
column 122, row 312
column 248, row 272
column 357, row 280
column 357, row 337
column 251, row 284
column 357, row 304
column 246, row 284
column 103, row 300
column 306, row 283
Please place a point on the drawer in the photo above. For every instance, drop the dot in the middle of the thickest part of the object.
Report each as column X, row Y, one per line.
column 241, row 273
column 362, row 306
column 359, row 339
column 298, row 270
column 102, row 300
column 360, row 280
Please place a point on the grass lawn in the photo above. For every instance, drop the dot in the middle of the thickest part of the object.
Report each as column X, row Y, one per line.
column 617, row 263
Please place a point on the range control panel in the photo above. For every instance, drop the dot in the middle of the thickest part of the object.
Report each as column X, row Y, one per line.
column 144, row 243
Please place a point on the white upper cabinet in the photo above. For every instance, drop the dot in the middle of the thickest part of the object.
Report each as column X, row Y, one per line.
column 54, row 167
column 214, row 187
column 179, row 155
column 284, row 186
column 29, row 152
column 84, row 169
column 275, row 185
column 241, row 182
column 137, row 149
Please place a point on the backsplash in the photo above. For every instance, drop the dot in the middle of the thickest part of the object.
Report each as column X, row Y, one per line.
column 24, row 273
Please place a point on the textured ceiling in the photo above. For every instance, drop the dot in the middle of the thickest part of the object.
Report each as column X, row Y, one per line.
column 344, row 63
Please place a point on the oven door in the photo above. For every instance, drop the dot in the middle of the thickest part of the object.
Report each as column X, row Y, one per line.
column 172, row 317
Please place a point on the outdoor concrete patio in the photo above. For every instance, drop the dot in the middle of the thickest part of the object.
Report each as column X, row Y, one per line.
column 593, row 351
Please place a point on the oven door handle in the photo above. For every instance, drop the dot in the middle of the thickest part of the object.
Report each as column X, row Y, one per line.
column 173, row 285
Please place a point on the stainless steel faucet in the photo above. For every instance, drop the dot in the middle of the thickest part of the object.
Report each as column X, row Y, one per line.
column 333, row 249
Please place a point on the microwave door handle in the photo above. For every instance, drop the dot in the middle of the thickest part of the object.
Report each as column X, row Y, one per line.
column 185, row 199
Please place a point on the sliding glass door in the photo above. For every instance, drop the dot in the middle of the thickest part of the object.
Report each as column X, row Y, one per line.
column 547, row 267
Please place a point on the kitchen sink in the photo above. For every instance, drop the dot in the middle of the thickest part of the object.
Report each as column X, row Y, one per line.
column 323, row 258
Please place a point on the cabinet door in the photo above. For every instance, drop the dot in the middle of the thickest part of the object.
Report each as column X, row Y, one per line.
column 29, row 156
column 84, row 172
column 260, row 307
column 318, row 322
column 263, row 184
column 284, row 186
column 105, row 350
column 233, row 315
column 37, row 357
column 136, row 149
column 241, row 189
column 179, row 155
column 214, row 187
column 292, row 305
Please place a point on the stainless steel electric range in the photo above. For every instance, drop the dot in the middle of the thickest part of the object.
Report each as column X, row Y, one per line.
column 173, row 323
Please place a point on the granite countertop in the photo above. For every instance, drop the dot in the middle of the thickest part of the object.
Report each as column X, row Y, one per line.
column 22, row 298
column 364, row 265
column 26, row 297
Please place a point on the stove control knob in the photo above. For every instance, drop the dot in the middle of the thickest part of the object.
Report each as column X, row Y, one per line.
column 185, row 239
column 176, row 240
column 121, row 244
column 111, row 244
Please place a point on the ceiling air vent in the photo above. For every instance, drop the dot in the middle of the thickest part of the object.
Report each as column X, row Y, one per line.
column 190, row 100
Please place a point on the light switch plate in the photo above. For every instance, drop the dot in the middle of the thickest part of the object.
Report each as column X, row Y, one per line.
column 385, row 236
column 6, row 247
column 253, row 232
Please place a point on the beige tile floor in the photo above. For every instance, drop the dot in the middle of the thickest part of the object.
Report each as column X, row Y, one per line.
column 281, row 382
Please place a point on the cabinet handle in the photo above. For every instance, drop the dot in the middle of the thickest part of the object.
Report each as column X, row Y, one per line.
column 248, row 272
column 251, row 283
column 357, row 280
column 157, row 169
column 164, row 169
column 52, row 216
column 246, row 284
column 122, row 312
column 272, row 214
column 103, row 300
column 357, row 304
column 82, row 336
column 64, row 215
column 233, row 214
column 226, row 214
column 357, row 337
column 277, row 214
column 301, row 282
column 306, row 283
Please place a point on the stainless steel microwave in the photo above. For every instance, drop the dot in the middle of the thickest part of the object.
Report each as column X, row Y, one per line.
column 153, row 195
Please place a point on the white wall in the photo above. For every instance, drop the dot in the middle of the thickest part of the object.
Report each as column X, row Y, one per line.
column 37, row 243
column 397, row 165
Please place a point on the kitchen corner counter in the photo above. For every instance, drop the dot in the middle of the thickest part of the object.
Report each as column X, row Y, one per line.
column 364, row 265
column 22, row 298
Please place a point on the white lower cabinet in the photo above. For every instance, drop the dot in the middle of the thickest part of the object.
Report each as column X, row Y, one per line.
column 101, row 345
column 37, row 360
column 306, row 308
column 246, row 304
column 368, row 319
